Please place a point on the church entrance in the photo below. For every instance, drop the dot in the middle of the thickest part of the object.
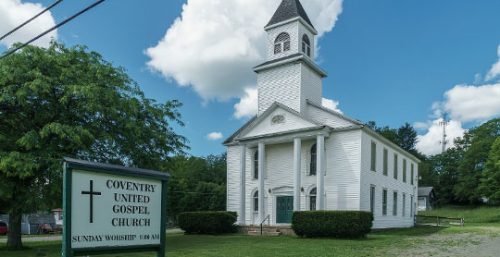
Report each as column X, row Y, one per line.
column 284, row 209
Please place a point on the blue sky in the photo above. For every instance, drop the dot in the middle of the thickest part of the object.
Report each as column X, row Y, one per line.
column 388, row 60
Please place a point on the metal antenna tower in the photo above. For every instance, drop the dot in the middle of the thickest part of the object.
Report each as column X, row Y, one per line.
column 444, row 141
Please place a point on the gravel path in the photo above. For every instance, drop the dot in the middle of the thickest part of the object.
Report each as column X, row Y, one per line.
column 485, row 244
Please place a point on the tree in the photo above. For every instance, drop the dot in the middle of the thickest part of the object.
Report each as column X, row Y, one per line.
column 60, row 101
column 407, row 138
column 490, row 183
column 196, row 184
column 476, row 144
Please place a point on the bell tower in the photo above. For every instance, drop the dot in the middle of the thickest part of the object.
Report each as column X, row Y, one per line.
column 290, row 75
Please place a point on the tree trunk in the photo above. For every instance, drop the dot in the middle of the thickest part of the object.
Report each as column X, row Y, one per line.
column 14, row 236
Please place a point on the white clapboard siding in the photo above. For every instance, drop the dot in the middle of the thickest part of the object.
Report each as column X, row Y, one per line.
column 280, row 84
column 233, row 179
column 312, row 87
column 292, row 29
column 342, row 170
column 327, row 118
column 388, row 182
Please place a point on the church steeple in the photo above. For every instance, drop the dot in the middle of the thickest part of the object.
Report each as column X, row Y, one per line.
column 287, row 10
column 290, row 76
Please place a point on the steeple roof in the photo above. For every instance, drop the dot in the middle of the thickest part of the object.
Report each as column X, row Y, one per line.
column 289, row 9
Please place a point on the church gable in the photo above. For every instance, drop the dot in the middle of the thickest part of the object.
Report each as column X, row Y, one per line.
column 276, row 119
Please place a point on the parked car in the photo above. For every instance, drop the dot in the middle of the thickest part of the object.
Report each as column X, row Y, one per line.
column 3, row 228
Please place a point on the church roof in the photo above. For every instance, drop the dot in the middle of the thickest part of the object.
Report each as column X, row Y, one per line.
column 289, row 9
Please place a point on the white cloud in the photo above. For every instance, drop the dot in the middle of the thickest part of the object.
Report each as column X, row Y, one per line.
column 467, row 103
column 215, row 136
column 331, row 104
column 214, row 44
column 495, row 68
column 248, row 105
column 15, row 12
column 430, row 143
column 422, row 125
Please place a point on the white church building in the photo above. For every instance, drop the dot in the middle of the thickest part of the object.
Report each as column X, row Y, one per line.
column 297, row 155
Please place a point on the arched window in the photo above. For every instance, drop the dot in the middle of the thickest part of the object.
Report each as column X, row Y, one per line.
column 312, row 199
column 256, row 165
column 256, row 201
column 282, row 43
column 306, row 45
column 312, row 163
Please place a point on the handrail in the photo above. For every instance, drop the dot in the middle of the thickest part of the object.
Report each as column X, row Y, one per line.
column 266, row 218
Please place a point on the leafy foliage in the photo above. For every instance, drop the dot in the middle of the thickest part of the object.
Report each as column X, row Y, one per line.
column 405, row 136
column 60, row 101
column 208, row 222
column 476, row 145
column 196, row 184
column 341, row 224
column 490, row 184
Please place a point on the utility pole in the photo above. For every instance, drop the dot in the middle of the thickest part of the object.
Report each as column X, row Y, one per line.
column 444, row 141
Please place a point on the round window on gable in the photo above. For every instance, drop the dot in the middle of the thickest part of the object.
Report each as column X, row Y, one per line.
column 278, row 119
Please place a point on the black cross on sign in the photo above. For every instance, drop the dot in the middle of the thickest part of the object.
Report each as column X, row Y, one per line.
column 91, row 193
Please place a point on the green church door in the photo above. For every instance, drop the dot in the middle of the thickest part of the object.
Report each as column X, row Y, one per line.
column 284, row 209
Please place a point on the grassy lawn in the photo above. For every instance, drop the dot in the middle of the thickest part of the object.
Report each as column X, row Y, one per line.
column 377, row 244
column 472, row 215
column 482, row 224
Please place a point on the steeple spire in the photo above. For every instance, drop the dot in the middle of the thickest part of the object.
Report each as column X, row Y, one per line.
column 287, row 10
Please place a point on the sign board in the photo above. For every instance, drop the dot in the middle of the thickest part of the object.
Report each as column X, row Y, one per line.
column 112, row 209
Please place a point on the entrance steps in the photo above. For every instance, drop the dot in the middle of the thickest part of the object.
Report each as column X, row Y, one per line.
column 267, row 230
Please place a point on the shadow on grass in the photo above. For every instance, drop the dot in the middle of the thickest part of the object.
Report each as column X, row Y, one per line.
column 415, row 231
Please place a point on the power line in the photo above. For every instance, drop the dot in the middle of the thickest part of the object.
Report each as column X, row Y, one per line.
column 31, row 19
column 53, row 28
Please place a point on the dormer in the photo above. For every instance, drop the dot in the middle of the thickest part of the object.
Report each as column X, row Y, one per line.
column 290, row 31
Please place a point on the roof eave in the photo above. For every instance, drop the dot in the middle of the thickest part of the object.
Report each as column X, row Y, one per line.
column 298, row 18
column 300, row 57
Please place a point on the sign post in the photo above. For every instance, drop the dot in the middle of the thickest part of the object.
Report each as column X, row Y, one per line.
column 112, row 209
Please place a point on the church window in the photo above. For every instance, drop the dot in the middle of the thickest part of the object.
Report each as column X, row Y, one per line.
column 395, row 166
column 256, row 201
column 282, row 43
column 384, row 202
column 404, row 205
column 256, row 165
column 306, row 45
column 385, row 161
column 412, row 173
column 373, row 162
column 312, row 163
column 395, row 204
column 372, row 199
column 404, row 170
column 312, row 199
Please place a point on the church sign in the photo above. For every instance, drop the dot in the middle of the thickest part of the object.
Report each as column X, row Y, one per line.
column 112, row 209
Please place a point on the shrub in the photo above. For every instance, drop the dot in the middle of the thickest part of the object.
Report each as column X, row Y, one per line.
column 340, row 224
column 209, row 222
